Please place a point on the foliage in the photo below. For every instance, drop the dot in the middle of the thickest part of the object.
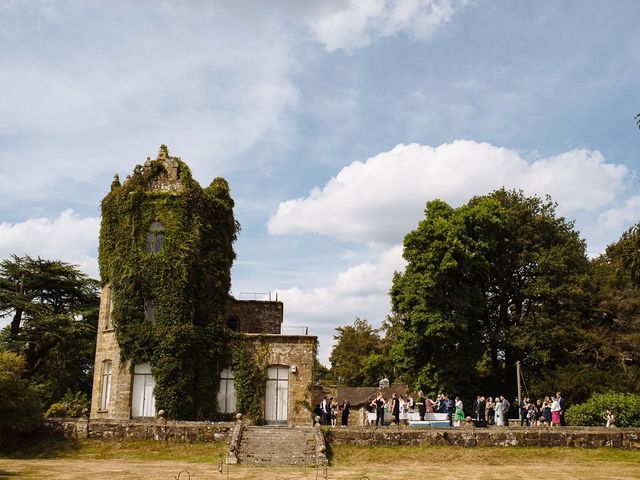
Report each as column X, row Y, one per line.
column 53, row 309
column 624, row 406
column 19, row 404
column 71, row 405
column 607, row 354
column 358, row 357
column 188, row 280
column 499, row 279
column 249, row 365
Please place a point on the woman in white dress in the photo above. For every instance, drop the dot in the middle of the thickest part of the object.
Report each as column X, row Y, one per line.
column 499, row 420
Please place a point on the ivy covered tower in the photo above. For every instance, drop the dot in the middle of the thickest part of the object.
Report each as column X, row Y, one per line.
column 165, row 259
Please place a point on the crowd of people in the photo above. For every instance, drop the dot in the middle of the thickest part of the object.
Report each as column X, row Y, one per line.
column 542, row 412
column 328, row 409
column 486, row 411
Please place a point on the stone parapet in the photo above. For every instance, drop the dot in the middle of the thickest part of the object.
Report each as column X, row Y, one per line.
column 581, row 437
column 159, row 430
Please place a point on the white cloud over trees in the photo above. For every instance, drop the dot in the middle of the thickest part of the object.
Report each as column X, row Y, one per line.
column 379, row 200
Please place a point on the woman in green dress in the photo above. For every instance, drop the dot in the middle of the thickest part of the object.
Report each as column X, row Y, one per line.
column 459, row 415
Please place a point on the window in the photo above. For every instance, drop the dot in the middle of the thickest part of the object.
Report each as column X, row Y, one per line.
column 143, row 402
column 150, row 311
column 107, row 322
column 106, row 385
column 155, row 237
column 277, row 394
column 227, row 393
column 233, row 323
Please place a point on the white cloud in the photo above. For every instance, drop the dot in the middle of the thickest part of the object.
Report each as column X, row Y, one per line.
column 69, row 238
column 359, row 291
column 95, row 89
column 381, row 199
column 357, row 23
column 610, row 224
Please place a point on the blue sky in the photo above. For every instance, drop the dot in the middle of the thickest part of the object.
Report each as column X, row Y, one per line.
column 334, row 122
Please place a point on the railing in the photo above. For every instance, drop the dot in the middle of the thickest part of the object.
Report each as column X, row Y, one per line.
column 294, row 330
column 262, row 296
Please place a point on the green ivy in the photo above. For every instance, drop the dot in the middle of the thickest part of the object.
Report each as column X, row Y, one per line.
column 188, row 281
column 249, row 364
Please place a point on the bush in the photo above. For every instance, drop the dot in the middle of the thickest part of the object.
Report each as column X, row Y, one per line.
column 19, row 405
column 71, row 405
column 625, row 407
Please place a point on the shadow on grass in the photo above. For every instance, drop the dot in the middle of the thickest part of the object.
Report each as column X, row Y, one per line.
column 38, row 446
column 5, row 474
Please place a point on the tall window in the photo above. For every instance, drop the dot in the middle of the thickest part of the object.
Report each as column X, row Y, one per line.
column 143, row 403
column 107, row 323
column 106, row 385
column 155, row 237
column 227, row 393
column 150, row 311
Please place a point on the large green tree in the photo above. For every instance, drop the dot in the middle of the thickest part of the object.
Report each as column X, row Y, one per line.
column 53, row 310
column 500, row 279
column 360, row 356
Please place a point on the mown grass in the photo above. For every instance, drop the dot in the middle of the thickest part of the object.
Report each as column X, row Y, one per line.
column 352, row 455
column 46, row 447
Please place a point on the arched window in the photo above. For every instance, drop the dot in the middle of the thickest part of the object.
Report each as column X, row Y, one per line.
column 106, row 385
column 227, row 392
column 155, row 237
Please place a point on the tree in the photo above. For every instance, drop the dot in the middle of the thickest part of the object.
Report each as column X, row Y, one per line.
column 53, row 309
column 357, row 358
column 610, row 351
column 494, row 281
column 18, row 399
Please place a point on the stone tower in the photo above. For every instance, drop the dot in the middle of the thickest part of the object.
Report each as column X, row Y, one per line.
column 165, row 259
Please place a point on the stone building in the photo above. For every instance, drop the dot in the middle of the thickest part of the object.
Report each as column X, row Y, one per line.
column 124, row 388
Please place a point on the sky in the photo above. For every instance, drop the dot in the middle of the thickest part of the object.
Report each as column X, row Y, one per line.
column 333, row 121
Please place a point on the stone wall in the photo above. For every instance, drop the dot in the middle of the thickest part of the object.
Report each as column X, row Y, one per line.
column 487, row 437
column 159, row 430
column 256, row 316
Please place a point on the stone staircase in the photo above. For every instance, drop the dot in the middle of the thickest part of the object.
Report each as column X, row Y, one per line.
column 278, row 445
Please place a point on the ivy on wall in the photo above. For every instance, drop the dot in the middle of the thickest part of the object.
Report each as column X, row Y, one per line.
column 249, row 364
column 187, row 281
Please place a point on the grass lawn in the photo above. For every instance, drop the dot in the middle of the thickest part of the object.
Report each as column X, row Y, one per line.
column 57, row 459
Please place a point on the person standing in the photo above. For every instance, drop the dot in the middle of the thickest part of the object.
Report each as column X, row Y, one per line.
column 326, row 412
column 555, row 412
column 490, row 411
column 334, row 412
column 546, row 410
column 422, row 405
column 379, row 404
column 505, row 410
column 346, row 407
column 499, row 419
column 563, row 405
column 395, row 408
column 451, row 409
column 611, row 419
column 524, row 413
column 459, row 415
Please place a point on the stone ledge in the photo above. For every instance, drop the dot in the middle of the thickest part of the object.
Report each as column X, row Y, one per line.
column 140, row 430
column 581, row 437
